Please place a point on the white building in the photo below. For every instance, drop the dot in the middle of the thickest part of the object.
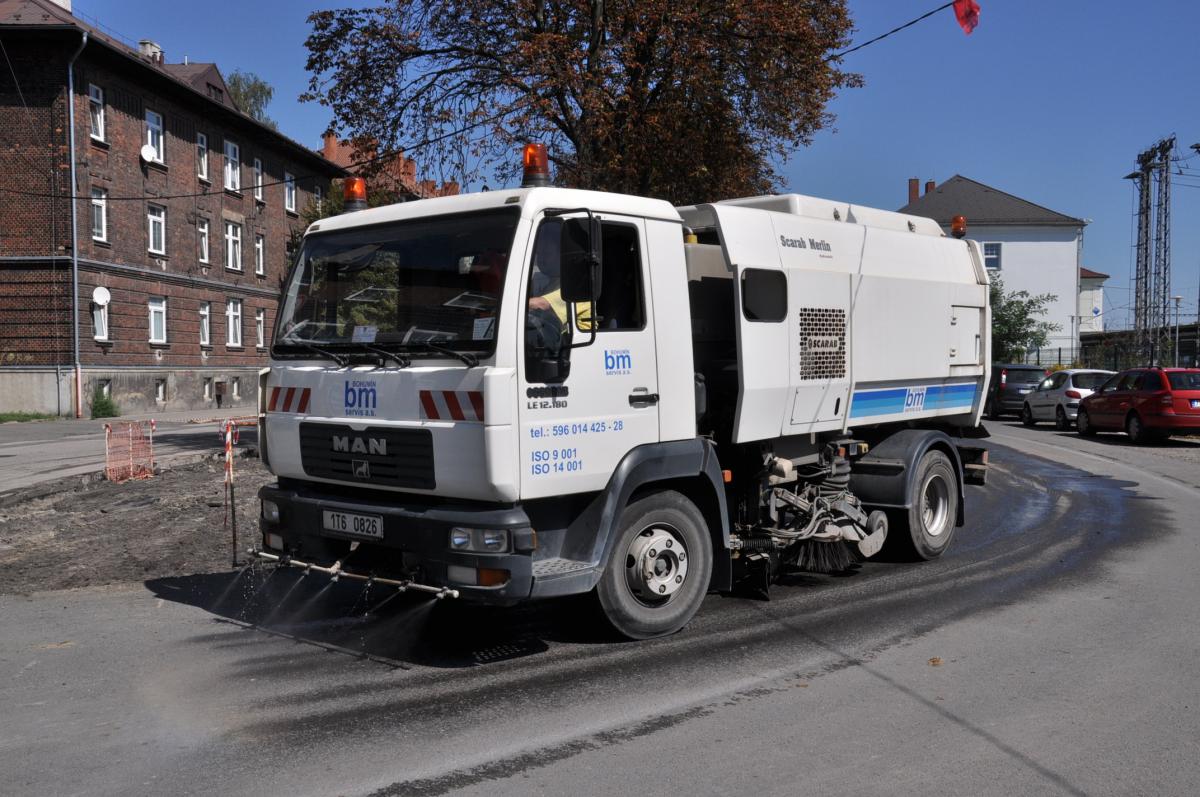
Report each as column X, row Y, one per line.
column 1030, row 247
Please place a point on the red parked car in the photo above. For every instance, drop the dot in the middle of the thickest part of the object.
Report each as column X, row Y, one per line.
column 1147, row 403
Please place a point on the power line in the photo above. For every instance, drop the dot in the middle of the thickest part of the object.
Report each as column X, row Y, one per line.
column 883, row 36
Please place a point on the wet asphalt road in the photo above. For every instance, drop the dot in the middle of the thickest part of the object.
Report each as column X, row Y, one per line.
column 1052, row 650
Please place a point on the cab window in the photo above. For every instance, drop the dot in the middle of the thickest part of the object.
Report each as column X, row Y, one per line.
column 621, row 303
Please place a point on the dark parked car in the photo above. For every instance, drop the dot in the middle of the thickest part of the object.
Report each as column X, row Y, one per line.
column 1009, row 386
column 1147, row 403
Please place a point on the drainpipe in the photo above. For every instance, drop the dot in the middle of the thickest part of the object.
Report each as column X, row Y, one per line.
column 74, row 227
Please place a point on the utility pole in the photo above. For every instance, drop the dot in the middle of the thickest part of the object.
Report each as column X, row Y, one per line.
column 1152, row 277
column 1141, row 278
column 1177, row 300
column 1161, row 295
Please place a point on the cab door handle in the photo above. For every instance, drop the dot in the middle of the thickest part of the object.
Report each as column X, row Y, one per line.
column 641, row 398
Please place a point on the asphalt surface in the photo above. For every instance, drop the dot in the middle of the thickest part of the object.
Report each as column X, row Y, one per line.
column 1051, row 650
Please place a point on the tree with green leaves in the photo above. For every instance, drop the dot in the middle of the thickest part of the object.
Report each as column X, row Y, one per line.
column 1017, row 326
column 688, row 100
column 251, row 94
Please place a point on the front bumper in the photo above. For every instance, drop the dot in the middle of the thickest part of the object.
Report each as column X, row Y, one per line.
column 415, row 543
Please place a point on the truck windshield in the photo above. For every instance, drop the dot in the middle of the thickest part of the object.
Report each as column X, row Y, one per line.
column 422, row 283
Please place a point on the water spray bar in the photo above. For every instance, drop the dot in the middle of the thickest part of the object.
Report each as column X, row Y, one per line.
column 336, row 572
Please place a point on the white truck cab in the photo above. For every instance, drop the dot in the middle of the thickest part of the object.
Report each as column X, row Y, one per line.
column 525, row 393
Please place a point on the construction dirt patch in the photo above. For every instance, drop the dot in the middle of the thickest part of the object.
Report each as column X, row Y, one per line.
column 76, row 533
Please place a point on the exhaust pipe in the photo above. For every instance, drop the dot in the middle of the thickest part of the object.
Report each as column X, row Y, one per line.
column 336, row 572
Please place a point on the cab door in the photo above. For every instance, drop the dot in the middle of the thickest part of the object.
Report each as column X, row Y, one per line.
column 590, row 397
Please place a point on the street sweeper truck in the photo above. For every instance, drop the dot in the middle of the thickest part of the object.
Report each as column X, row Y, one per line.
column 517, row 394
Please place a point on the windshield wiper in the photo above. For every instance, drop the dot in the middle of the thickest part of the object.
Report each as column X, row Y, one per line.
column 396, row 357
column 341, row 360
column 470, row 359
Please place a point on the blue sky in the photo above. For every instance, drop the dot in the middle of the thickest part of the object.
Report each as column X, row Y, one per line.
column 1050, row 101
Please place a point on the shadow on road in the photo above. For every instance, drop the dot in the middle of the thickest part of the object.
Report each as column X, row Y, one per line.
column 380, row 623
column 1110, row 438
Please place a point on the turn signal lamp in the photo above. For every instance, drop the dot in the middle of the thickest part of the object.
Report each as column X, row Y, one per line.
column 355, row 193
column 536, row 165
column 958, row 226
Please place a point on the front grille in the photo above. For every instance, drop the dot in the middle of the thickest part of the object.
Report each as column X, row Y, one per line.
column 377, row 455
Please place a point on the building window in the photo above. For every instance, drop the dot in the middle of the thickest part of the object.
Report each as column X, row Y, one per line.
column 208, row 388
column 106, row 388
column 260, row 254
column 991, row 256
column 202, row 233
column 160, row 390
column 233, row 246
column 233, row 323
column 289, row 192
column 158, row 320
column 318, row 197
column 100, row 321
column 96, row 107
column 202, row 156
column 99, row 214
column 236, row 386
column 205, row 324
column 215, row 92
column 260, row 323
column 258, row 179
column 233, row 167
column 154, row 134
column 156, row 219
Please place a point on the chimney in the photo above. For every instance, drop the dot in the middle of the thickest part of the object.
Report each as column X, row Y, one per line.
column 929, row 186
column 329, row 146
column 914, row 190
column 152, row 50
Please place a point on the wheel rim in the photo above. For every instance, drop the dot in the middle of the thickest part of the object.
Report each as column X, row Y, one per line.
column 1061, row 418
column 1135, row 427
column 935, row 505
column 1081, row 420
column 656, row 564
column 1027, row 414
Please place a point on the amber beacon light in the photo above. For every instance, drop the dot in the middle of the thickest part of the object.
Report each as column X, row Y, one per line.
column 958, row 226
column 537, row 165
column 355, row 193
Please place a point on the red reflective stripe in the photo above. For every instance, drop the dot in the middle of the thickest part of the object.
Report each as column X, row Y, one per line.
column 428, row 405
column 287, row 399
column 304, row 400
column 274, row 399
column 452, row 404
column 477, row 402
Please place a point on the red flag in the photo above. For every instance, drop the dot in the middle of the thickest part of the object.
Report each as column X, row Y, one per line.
column 967, row 12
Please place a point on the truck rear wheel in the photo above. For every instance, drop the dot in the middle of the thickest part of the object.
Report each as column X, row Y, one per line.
column 659, row 568
column 933, row 506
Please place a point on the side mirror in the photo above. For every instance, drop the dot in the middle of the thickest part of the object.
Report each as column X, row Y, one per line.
column 581, row 258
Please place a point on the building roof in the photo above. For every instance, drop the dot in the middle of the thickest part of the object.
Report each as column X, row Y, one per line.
column 1088, row 274
column 49, row 15
column 984, row 205
column 394, row 173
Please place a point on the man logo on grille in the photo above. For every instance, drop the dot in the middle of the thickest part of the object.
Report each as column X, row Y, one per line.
column 362, row 468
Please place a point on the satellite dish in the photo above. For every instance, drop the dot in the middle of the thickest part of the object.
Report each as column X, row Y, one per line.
column 101, row 296
column 149, row 153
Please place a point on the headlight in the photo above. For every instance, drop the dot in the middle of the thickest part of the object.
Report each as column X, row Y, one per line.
column 479, row 540
column 270, row 511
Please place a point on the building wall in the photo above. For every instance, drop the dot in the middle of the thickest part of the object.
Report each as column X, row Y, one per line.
column 35, row 261
column 1091, row 296
column 1041, row 260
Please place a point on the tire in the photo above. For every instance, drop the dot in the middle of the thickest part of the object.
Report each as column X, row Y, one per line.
column 933, row 507
column 1136, row 429
column 1061, row 422
column 1083, row 424
column 1027, row 415
column 647, row 551
column 990, row 412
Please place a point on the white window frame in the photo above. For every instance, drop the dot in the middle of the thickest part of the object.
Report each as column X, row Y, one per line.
column 157, row 305
column 318, row 197
column 160, row 390
column 998, row 257
column 100, row 203
column 233, row 245
column 233, row 166
column 96, row 111
column 202, row 233
column 258, row 179
column 260, row 254
column 235, row 386
column 206, row 323
column 208, row 388
column 289, row 192
column 155, row 135
column 161, row 220
column 100, row 322
column 202, row 156
column 233, row 323
column 260, row 322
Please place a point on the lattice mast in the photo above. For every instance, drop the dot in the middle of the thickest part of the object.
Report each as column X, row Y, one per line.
column 1161, row 293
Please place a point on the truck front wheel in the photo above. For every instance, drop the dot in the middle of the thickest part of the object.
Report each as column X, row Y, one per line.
column 933, row 506
column 658, row 571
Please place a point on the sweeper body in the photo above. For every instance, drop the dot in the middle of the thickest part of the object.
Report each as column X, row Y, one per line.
column 537, row 392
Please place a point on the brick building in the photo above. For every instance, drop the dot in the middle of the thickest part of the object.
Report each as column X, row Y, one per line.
column 395, row 174
column 185, row 211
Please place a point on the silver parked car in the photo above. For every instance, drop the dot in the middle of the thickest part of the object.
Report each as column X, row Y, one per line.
column 1057, row 397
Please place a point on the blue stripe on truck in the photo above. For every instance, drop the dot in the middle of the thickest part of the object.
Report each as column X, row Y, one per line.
column 896, row 400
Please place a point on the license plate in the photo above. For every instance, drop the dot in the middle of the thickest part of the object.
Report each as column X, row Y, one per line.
column 1025, row 390
column 354, row 525
column 1196, row 404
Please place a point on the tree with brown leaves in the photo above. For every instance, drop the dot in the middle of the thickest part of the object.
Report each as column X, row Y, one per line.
column 688, row 100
